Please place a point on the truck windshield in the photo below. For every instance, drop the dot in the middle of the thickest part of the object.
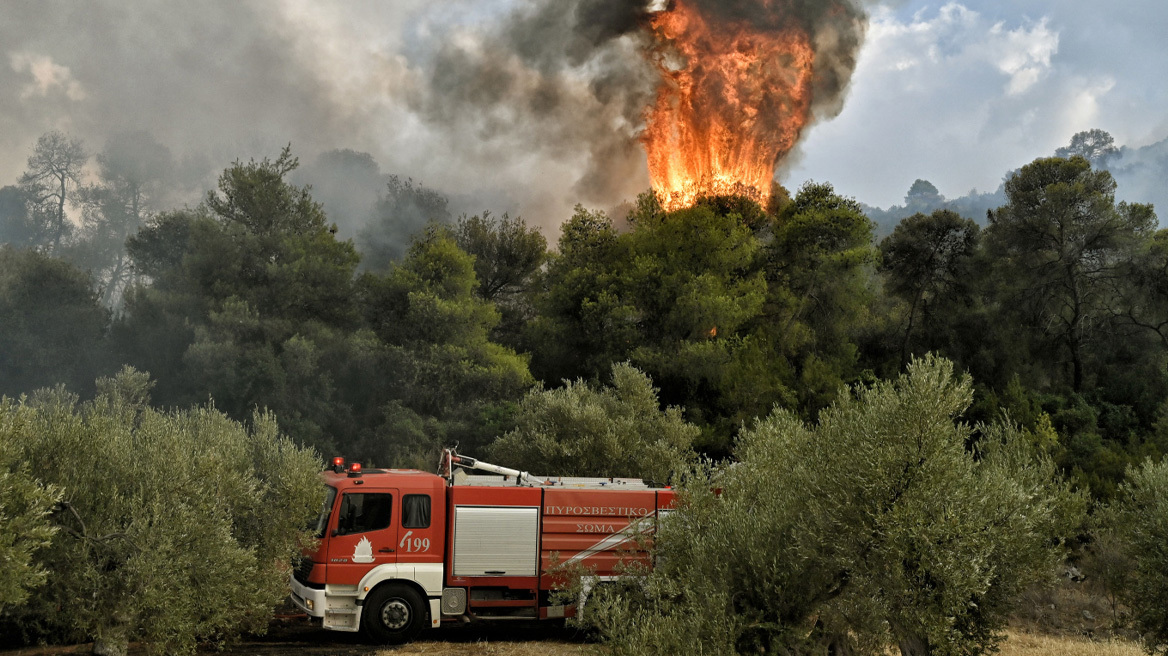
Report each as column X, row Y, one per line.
column 325, row 510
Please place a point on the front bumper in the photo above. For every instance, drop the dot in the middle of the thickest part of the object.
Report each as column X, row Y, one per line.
column 339, row 612
column 308, row 599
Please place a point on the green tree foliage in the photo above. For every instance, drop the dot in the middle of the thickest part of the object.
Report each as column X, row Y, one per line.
column 401, row 214
column 52, row 324
column 584, row 320
column 876, row 525
column 251, row 301
column 1141, row 296
column 922, row 197
column 679, row 296
column 695, row 281
column 1139, row 518
column 585, row 430
column 440, row 360
column 927, row 263
column 818, row 271
column 49, row 184
column 25, row 506
column 694, row 274
column 1095, row 145
column 174, row 526
column 729, row 310
column 1057, row 246
column 507, row 256
column 1060, row 301
column 259, row 240
column 507, row 253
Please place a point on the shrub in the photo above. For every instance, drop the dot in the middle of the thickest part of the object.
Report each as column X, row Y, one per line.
column 174, row 526
column 875, row 526
column 25, row 505
column 583, row 430
column 1139, row 519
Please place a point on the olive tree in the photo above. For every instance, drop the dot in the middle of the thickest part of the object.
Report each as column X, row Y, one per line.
column 876, row 526
column 1139, row 518
column 174, row 526
column 25, row 505
column 586, row 430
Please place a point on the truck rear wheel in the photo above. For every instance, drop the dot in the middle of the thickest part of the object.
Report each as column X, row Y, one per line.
column 393, row 614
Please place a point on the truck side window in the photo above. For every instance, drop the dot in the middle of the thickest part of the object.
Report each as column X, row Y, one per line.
column 361, row 513
column 326, row 510
column 416, row 511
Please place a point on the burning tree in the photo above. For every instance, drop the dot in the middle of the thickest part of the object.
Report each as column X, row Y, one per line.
column 717, row 92
column 739, row 82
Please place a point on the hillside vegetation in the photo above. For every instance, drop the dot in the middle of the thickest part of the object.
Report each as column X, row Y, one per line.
column 952, row 408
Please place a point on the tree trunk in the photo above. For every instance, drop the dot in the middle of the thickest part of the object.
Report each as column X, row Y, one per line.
column 60, row 218
column 840, row 646
column 912, row 644
column 912, row 313
column 1075, row 334
column 1076, row 368
column 114, row 279
column 112, row 641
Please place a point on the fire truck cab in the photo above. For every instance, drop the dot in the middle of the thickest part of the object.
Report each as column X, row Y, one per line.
column 402, row 550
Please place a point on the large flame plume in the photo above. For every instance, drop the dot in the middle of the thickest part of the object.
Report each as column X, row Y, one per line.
column 718, row 92
column 736, row 93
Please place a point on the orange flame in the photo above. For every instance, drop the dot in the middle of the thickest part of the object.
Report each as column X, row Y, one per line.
column 733, row 101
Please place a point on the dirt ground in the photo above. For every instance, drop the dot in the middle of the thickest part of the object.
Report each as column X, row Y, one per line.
column 296, row 636
column 1068, row 620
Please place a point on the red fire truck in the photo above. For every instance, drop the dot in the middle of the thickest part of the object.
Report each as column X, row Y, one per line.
column 401, row 550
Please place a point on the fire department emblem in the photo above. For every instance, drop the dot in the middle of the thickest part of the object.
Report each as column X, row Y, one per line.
column 364, row 551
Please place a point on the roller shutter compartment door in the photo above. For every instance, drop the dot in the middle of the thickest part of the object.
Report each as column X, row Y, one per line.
column 496, row 541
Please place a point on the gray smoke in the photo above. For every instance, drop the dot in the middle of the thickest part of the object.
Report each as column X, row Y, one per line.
column 529, row 106
column 562, row 80
column 1140, row 174
column 565, row 77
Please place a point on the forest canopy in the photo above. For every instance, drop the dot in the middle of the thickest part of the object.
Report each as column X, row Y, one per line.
column 643, row 341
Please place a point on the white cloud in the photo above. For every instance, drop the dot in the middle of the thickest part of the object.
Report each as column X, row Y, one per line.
column 1023, row 53
column 954, row 95
column 959, row 37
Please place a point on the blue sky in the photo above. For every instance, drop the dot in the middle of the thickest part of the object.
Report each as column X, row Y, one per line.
column 960, row 93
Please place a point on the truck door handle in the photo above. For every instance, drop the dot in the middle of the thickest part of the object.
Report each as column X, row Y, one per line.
column 385, row 550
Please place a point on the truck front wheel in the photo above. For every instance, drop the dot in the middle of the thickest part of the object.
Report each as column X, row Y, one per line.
column 393, row 614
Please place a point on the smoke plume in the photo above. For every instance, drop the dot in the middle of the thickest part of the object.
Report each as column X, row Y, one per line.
column 575, row 79
column 527, row 106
